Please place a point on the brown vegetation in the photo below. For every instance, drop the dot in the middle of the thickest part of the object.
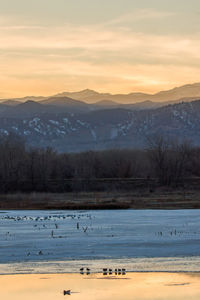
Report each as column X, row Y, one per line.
column 160, row 199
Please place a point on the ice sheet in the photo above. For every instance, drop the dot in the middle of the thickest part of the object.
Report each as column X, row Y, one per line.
column 36, row 236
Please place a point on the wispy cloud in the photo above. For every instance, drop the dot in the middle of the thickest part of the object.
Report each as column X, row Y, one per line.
column 40, row 59
column 141, row 15
column 99, row 41
column 20, row 27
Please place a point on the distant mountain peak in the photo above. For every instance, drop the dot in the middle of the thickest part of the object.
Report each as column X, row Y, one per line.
column 88, row 91
column 63, row 100
column 30, row 103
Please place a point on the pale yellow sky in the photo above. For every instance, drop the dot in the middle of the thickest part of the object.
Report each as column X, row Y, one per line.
column 116, row 46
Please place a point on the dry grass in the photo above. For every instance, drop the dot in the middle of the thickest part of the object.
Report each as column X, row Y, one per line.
column 161, row 199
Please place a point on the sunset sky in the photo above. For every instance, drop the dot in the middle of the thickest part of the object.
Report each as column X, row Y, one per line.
column 117, row 46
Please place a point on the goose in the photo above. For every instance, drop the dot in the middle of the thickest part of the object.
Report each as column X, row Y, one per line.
column 68, row 292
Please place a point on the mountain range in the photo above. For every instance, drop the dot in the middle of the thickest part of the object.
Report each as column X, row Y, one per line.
column 191, row 91
column 69, row 124
column 184, row 93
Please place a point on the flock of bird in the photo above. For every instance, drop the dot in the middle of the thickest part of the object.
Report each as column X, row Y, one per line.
column 46, row 218
column 105, row 271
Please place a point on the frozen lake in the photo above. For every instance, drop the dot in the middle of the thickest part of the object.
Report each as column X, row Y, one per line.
column 74, row 235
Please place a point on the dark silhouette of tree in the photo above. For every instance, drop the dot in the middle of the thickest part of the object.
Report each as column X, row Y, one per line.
column 45, row 170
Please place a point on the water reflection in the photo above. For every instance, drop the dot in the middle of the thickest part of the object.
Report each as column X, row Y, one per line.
column 132, row 286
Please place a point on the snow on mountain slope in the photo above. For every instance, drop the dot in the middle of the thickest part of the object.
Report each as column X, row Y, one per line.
column 103, row 129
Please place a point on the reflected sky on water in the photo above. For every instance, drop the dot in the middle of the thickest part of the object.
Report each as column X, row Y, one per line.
column 138, row 286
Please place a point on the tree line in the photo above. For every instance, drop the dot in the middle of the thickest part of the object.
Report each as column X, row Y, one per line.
column 27, row 169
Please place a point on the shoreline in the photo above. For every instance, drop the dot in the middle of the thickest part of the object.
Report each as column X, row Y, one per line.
column 133, row 265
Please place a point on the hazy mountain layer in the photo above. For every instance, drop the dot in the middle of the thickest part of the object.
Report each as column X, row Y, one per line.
column 187, row 92
column 191, row 91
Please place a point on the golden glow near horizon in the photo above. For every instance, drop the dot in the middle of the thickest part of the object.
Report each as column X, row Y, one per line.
column 137, row 286
column 122, row 46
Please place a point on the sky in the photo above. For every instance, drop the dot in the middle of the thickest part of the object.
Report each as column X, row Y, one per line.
column 117, row 46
